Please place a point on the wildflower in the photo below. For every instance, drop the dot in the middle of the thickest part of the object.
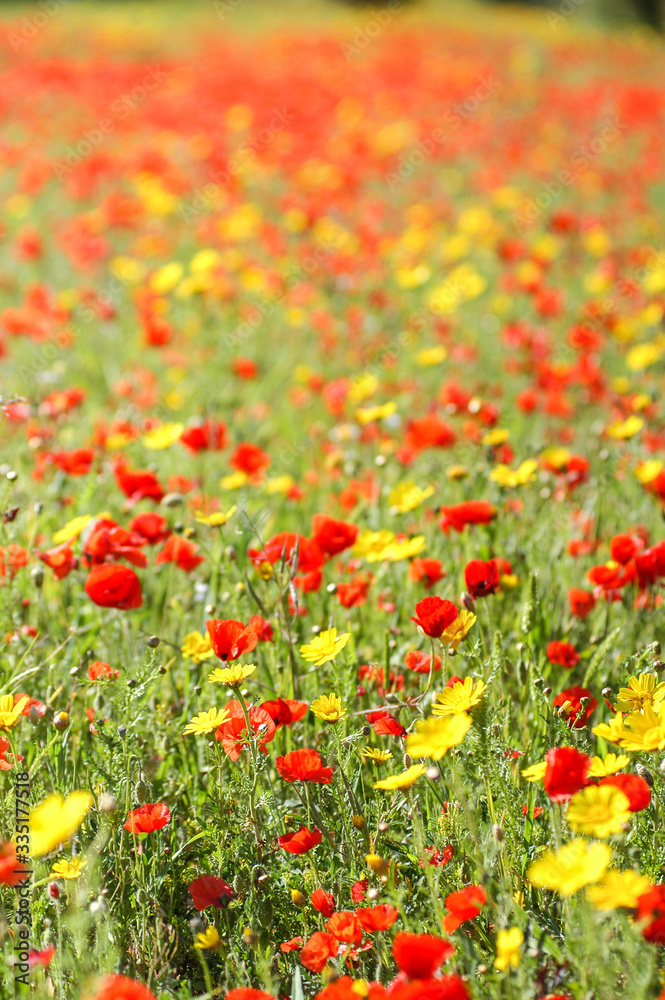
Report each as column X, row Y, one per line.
column 102, row 671
column 208, row 890
column 301, row 841
column 642, row 692
column 206, row 722
column 618, row 889
column 323, row 902
column 230, row 639
column 346, row 927
column 114, row 586
column 298, row 898
column 304, row 765
column 401, row 781
column 459, row 698
column 407, row 496
column 208, row 940
column 197, row 647
column 328, row 707
column 565, row 773
column 233, row 675
column 536, row 772
column 376, row 756
column 427, row 571
column 378, row 865
column 317, row 950
column 610, row 764
column 162, row 437
column 633, row 787
column 333, row 537
column 562, row 653
column 613, row 732
column 324, row 647
column 575, row 865
column 507, row 477
column 11, row 870
column 377, row 918
column 55, row 820
column 69, row 870
column 645, row 731
column 148, row 818
column 508, row 949
column 651, row 914
column 113, row 987
column 233, row 734
column 434, row 615
column 10, row 712
column 180, row 551
column 421, row 663
column 598, row 810
column 570, row 703
column 458, row 630
column 434, row 737
column 419, row 956
column 215, row 520
column 462, row 906
column 481, row 578
column 470, row 512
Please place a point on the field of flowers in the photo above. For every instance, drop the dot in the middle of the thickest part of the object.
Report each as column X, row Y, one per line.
column 332, row 482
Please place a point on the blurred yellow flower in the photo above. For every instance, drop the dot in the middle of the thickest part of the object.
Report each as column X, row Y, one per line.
column 197, row 646
column 404, row 549
column 55, row 820
column 71, row 869
column 431, row 356
column 234, row 482
column 505, row 476
column 645, row 730
column 370, row 544
column 166, row 278
column 601, row 767
column 622, row 430
column 208, row 939
column 401, row 781
column 368, row 414
column 460, row 697
column 162, row 437
column 617, row 889
column 324, row 647
column 215, row 520
column 508, row 949
column 575, row 865
column 72, row 529
column 10, row 713
column 206, row 722
column 536, row 772
column 328, row 707
column 598, row 810
column 407, row 496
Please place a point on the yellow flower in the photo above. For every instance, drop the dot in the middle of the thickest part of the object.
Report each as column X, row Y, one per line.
column 599, row 810
column 405, row 549
column 166, row 278
column 72, row 529
column 376, row 756
column 324, row 647
column 55, row 820
column 618, row 889
column 403, row 780
column 508, row 945
column 378, row 864
column 431, row 356
column 205, row 722
column 457, row 472
column 328, row 707
column 370, row 544
column 577, row 864
column 497, row 436
column 622, row 430
column 505, row 476
column 646, row 730
column 459, row 698
column 435, row 737
column 197, row 647
column 298, row 898
column 407, row 496
column 459, row 629
column 162, row 437
column 208, row 939
column 610, row 764
column 646, row 472
column 216, row 520
column 367, row 414
column 643, row 691
column 279, row 484
column 233, row 675
column 234, row 482
column 71, row 869
column 614, row 732
column 536, row 772
column 10, row 713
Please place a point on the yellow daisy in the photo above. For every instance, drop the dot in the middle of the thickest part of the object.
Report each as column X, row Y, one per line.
column 328, row 707
column 206, row 722
column 461, row 697
column 401, row 781
column 434, row 737
column 324, row 647
column 233, row 675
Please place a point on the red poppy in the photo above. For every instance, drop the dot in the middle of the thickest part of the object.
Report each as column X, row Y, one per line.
column 11, row 871
column 429, row 432
column 387, row 726
column 318, row 949
column 438, row 858
column 43, row 958
column 623, row 548
column 332, row 536
column 180, row 551
column 5, row 764
column 563, row 654
column 566, row 773
column 427, row 571
column 434, row 615
column 463, row 905
column 247, row 993
column 102, row 671
column 345, row 926
column 358, row 890
column 354, row 593
column 481, row 578
column 207, row 890
column 576, row 715
column 148, row 818
column 323, row 902
column 120, row 988
column 108, row 542
column 633, row 787
column 245, row 368
column 421, row 662
column 114, row 586
column 232, row 734
column 469, row 512
column 377, row 918
column 209, row 436
column 75, row 463
column 250, row 459
column 651, row 908
column 301, row 842
column 581, row 602
column 304, row 765
column 295, row 944
column 285, row 546
column 138, row 484
column 230, row 638
column 60, row 559
column 420, row 955
column 285, row 711
column 264, row 630
column 153, row 527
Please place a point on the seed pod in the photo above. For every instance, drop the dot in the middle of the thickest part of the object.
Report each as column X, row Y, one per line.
column 61, row 721
column 37, row 576
column 141, row 791
column 644, row 773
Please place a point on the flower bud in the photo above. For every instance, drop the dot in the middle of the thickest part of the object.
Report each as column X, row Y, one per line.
column 61, row 721
column 358, row 822
column 298, row 898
